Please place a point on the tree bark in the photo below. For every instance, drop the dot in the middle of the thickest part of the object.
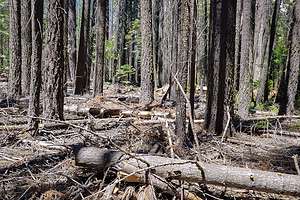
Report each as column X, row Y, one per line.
column 147, row 85
column 26, row 45
column 190, row 171
column 293, row 63
column 36, row 62
column 237, row 54
column 263, row 17
column 244, row 96
column 15, row 49
column 82, row 77
column 182, row 69
column 54, row 67
column 72, row 38
column 221, row 65
column 100, row 47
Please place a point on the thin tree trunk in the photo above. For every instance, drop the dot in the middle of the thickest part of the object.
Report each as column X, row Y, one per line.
column 261, row 43
column 293, row 64
column 82, row 71
column 147, row 87
column 246, row 60
column 237, row 55
column 15, row 49
column 36, row 62
column 192, row 63
column 54, row 67
column 182, row 70
column 72, row 38
column 100, row 47
column 26, row 45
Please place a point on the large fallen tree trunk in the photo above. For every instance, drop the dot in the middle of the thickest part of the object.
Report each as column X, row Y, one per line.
column 190, row 171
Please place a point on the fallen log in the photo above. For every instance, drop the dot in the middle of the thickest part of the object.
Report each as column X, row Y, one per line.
column 190, row 171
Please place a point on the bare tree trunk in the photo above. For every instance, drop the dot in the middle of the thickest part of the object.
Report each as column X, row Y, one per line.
column 72, row 38
column 271, row 44
column 147, row 87
column 120, row 26
column 82, row 71
column 202, row 42
column 182, row 69
column 237, row 55
column 246, row 60
column 192, row 62
column 15, row 49
column 263, row 16
column 293, row 64
column 221, row 65
column 54, row 67
column 36, row 62
column 100, row 47
column 26, row 45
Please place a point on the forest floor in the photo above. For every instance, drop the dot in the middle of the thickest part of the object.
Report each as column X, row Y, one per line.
column 43, row 166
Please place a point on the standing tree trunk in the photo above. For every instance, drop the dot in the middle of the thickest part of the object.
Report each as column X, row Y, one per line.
column 26, row 45
column 72, row 38
column 100, row 47
column 237, row 55
column 82, row 77
column 36, row 62
column 15, row 49
column 221, row 65
column 147, row 87
column 54, row 67
column 202, row 42
column 263, row 16
column 192, row 62
column 293, row 63
column 182, row 70
column 246, row 60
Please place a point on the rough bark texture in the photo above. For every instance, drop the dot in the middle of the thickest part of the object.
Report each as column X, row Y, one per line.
column 72, row 38
column 119, row 29
column 189, row 171
column 15, row 49
column 54, row 67
column 292, row 71
column 202, row 42
column 237, row 55
column 182, row 69
column 36, row 62
column 100, row 47
column 147, row 85
column 221, row 65
column 192, row 61
column 263, row 17
column 82, row 77
column 26, row 45
column 244, row 97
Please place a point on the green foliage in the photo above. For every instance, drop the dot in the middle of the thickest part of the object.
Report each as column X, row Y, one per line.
column 110, row 53
column 124, row 72
column 134, row 33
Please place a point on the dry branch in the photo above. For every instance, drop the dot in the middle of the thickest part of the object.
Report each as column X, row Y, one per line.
column 191, row 171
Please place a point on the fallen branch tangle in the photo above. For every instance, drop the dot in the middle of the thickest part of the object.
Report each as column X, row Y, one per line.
column 190, row 171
